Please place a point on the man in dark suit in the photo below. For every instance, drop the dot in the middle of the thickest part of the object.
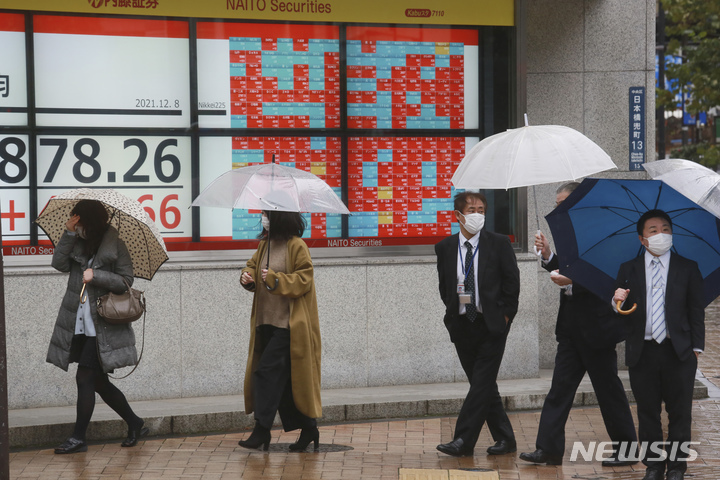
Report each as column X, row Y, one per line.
column 479, row 285
column 666, row 333
column 587, row 331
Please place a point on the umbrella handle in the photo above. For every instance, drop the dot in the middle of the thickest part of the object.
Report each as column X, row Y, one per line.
column 625, row 312
column 83, row 299
column 537, row 252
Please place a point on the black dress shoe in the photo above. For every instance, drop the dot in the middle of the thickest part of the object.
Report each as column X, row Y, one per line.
column 653, row 474
column 456, row 448
column 539, row 456
column 502, row 447
column 72, row 445
column 614, row 462
column 134, row 435
column 675, row 475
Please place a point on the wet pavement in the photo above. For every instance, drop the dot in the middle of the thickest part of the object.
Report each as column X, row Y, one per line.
column 377, row 449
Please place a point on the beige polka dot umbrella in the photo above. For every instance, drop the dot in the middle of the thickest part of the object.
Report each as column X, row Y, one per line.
column 136, row 229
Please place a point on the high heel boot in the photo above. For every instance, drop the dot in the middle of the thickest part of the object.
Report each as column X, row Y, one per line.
column 260, row 437
column 307, row 435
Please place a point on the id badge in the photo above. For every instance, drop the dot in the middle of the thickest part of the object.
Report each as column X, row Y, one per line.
column 464, row 297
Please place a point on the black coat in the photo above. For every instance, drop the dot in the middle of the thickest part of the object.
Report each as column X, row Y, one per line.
column 498, row 280
column 586, row 316
column 684, row 306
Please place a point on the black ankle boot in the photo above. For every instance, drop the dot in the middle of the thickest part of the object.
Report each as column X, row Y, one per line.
column 260, row 436
column 307, row 435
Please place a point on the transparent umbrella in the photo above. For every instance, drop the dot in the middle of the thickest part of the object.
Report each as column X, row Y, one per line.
column 529, row 156
column 696, row 182
column 271, row 187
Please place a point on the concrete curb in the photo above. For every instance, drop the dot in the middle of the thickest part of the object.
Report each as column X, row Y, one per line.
column 40, row 427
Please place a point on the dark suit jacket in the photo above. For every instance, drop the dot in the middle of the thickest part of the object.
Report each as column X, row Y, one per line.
column 498, row 280
column 585, row 315
column 684, row 306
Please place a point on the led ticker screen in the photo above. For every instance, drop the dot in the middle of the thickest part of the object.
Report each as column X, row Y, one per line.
column 14, row 189
column 111, row 72
column 13, row 84
column 400, row 186
column 153, row 170
column 405, row 78
column 320, row 156
column 112, row 109
column 274, row 76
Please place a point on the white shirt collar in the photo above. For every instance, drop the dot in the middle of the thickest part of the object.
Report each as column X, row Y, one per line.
column 474, row 240
column 664, row 259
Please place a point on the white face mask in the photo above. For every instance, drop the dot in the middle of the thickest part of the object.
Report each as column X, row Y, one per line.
column 474, row 222
column 266, row 223
column 660, row 243
column 80, row 231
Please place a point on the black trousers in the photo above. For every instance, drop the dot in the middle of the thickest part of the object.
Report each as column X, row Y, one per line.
column 660, row 376
column 573, row 359
column 272, row 388
column 480, row 355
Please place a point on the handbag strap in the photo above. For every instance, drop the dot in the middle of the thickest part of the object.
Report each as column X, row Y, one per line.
column 142, row 349
column 83, row 297
column 126, row 283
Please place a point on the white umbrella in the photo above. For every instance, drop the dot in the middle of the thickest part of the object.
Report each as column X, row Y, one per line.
column 271, row 187
column 140, row 234
column 696, row 182
column 530, row 155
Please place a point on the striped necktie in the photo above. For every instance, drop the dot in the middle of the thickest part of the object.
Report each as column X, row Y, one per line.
column 658, row 303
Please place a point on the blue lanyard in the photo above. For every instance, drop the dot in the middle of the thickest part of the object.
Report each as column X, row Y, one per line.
column 462, row 260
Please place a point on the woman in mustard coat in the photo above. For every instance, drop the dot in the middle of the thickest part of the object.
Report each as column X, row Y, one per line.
column 283, row 368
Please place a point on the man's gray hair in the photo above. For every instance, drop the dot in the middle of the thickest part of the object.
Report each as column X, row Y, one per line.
column 568, row 187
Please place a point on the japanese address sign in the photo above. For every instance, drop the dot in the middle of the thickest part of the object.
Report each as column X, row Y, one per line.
column 637, row 128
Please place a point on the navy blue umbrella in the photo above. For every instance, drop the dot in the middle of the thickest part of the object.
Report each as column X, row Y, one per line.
column 594, row 231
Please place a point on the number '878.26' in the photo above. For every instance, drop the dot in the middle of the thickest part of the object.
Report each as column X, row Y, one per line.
column 151, row 165
column 87, row 168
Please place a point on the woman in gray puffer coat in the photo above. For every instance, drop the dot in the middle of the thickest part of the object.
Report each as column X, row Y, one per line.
column 96, row 258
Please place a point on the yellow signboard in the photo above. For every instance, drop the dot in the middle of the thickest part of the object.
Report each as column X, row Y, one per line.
column 423, row 12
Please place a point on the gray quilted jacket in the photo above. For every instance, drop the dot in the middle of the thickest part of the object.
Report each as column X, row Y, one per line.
column 116, row 343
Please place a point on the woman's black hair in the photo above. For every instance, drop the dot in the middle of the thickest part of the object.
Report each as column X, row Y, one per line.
column 284, row 225
column 94, row 220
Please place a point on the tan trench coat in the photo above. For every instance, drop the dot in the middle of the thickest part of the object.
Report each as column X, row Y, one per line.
column 299, row 285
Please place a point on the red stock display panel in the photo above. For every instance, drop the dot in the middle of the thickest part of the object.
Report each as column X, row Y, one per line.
column 412, row 78
column 400, row 186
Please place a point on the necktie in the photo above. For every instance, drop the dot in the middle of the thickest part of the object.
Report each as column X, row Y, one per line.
column 658, row 303
column 470, row 310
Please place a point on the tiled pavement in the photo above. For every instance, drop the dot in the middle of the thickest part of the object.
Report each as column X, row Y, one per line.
column 372, row 450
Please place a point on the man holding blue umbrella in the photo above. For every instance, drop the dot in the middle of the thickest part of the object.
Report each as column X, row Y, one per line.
column 587, row 333
column 666, row 333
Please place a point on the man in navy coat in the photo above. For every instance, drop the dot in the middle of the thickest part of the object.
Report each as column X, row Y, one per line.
column 666, row 333
column 587, row 332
